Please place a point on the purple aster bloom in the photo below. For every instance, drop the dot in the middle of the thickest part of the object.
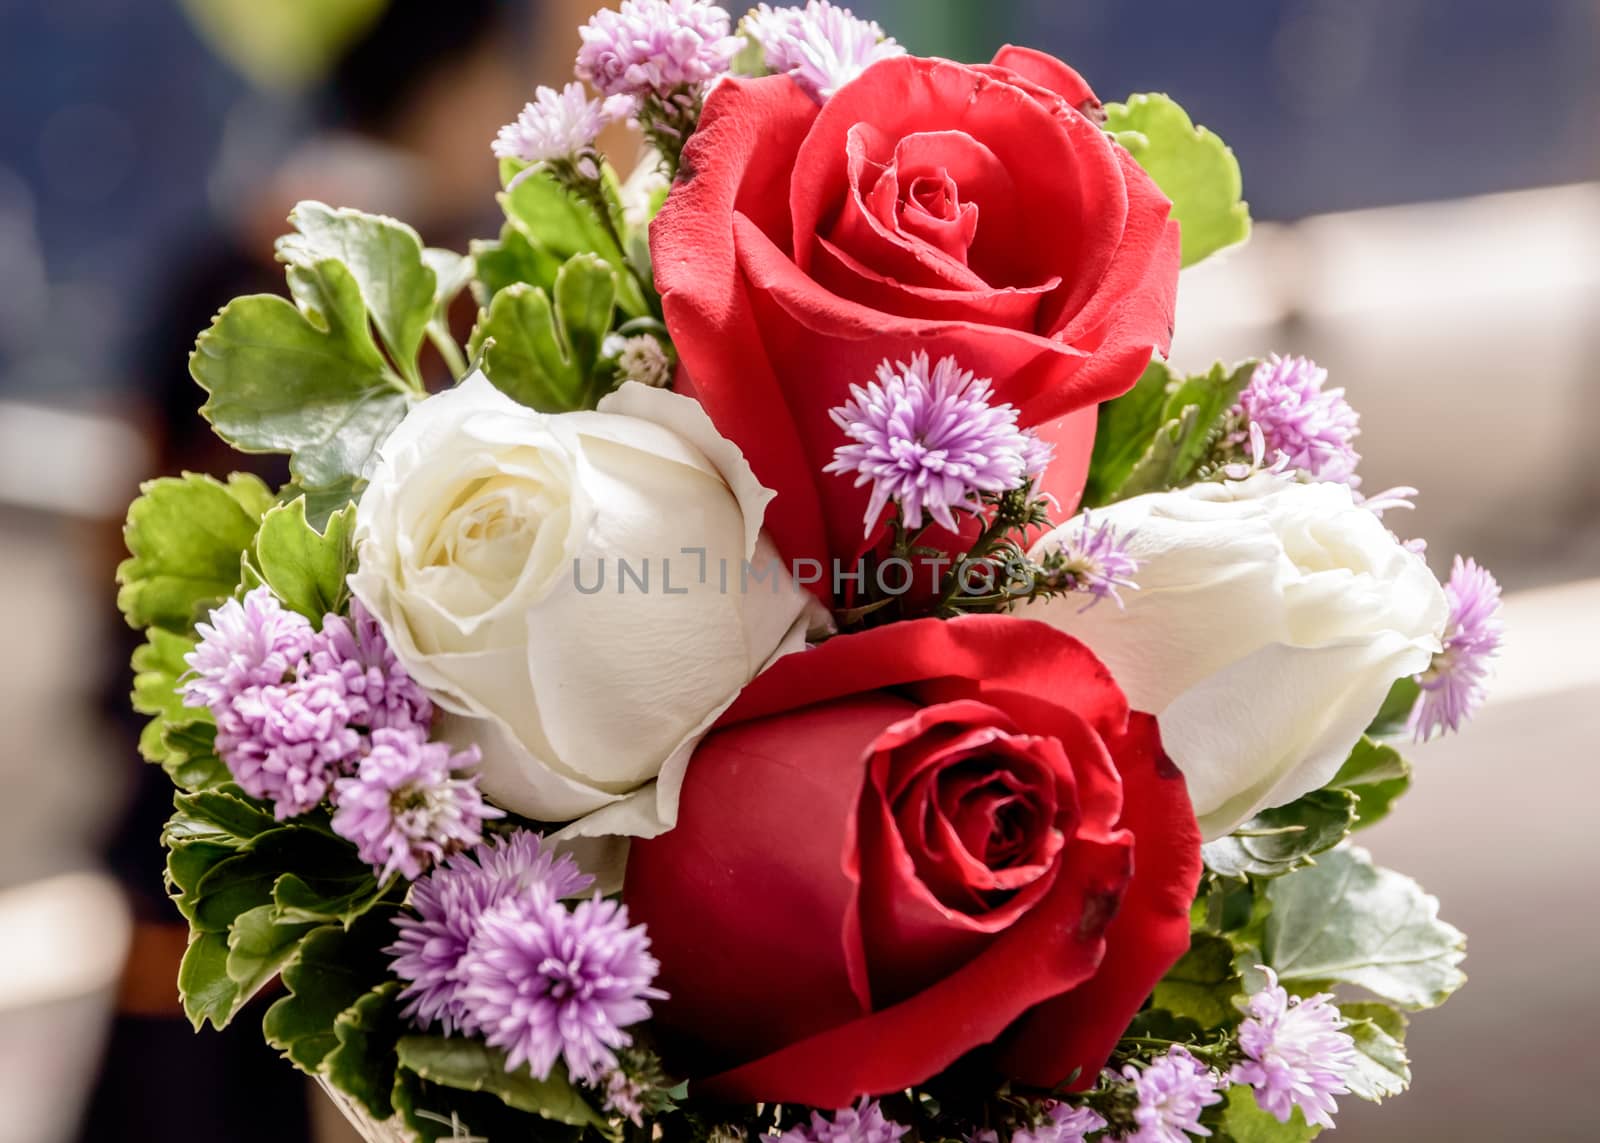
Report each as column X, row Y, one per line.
column 863, row 1123
column 353, row 655
column 655, row 47
column 545, row 982
column 1297, row 1055
column 1312, row 426
column 448, row 902
column 929, row 439
column 1062, row 1124
column 556, row 125
column 1453, row 685
column 287, row 743
column 1172, row 1092
column 821, row 47
column 1094, row 559
column 407, row 806
column 249, row 643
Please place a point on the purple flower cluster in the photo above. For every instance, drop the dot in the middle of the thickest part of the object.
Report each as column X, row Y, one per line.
column 494, row 952
column 1296, row 1054
column 555, row 125
column 821, row 47
column 863, row 1123
column 928, row 438
column 302, row 712
column 1171, row 1092
column 655, row 47
column 1311, row 426
column 1453, row 686
column 1094, row 559
column 1062, row 1124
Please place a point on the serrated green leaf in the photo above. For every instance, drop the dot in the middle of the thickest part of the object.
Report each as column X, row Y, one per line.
column 1382, row 1067
column 585, row 299
column 1349, row 921
column 203, row 982
column 1245, row 1122
column 335, row 968
column 306, row 568
column 1377, row 775
column 188, row 753
column 322, row 503
column 1212, row 393
column 384, row 257
column 471, row 1065
column 306, row 380
column 1284, row 838
column 1395, row 713
column 1193, row 168
column 260, row 943
column 509, row 260
column 544, row 355
column 363, row 1063
column 229, row 811
column 564, row 224
column 246, row 880
column 157, row 666
column 1202, row 985
column 186, row 536
column 1156, row 469
column 341, row 898
column 1123, row 435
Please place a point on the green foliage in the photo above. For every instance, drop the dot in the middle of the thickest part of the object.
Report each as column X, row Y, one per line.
column 180, row 738
column 1392, row 717
column 544, row 355
column 260, row 943
column 323, row 502
column 562, row 224
column 471, row 1065
column 208, row 992
column 1376, row 775
column 304, row 566
column 186, row 535
column 1202, row 985
column 1158, row 434
column 362, row 1064
column 1284, row 838
column 510, row 259
column 1382, row 1068
column 189, row 756
column 1242, row 1121
column 335, row 968
column 1193, row 168
column 1348, row 921
column 434, row 1113
column 453, row 273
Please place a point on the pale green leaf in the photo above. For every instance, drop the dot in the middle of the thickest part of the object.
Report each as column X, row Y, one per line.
column 306, row 568
column 1284, row 838
column 1382, row 1068
column 1243, row 1121
column 1376, row 774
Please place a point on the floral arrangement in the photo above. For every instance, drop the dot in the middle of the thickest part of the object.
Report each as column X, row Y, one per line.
column 813, row 670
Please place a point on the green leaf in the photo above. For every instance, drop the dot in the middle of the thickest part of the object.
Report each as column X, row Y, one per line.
column 1245, row 1122
column 1202, row 985
column 1193, row 168
column 1347, row 921
column 304, row 567
column 1395, row 713
column 471, row 1065
column 1284, row 838
column 1159, row 1024
column 1123, row 435
column 187, row 535
column 509, row 260
column 385, row 259
column 323, row 502
column 227, row 811
column 260, row 943
column 1212, row 394
column 341, row 898
column 1156, row 470
column 1377, row 775
column 363, row 1064
column 157, row 666
column 246, row 880
column 437, row 1113
column 1382, row 1067
column 188, row 753
column 335, row 968
column 544, row 356
column 306, row 380
column 208, row 992
column 564, row 224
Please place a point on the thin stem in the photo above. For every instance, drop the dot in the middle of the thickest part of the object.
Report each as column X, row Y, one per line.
column 454, row 359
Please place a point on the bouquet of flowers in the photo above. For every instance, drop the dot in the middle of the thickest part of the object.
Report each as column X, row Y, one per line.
column 806, row 666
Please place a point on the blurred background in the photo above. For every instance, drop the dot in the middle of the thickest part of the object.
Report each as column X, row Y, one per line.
column 1426, row 179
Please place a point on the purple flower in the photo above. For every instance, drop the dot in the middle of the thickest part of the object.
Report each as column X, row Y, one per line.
column 624, row 1095
column 406, row 807
column 1297, row 1054
column 821, row 47
column 545, row 982
column 1309, row 425
column 1093, row 559
column 287, row 743
column 448, row 902
column 1062, row 1124
column 556, row 125
column 1172, row 1092
column 1453, row 685
column 863, row 1123
column 354, row 655
column 929, row 439
column 247, row 644
column 655, row 47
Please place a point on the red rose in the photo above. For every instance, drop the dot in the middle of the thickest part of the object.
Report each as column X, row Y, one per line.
column 909, row 843
column 929, row 205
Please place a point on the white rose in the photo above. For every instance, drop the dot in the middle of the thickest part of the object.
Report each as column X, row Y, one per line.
column 480, row 542
column 1270, row 620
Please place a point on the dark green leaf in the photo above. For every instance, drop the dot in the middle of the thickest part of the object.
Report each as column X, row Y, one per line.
column 1159, row 1024
column 1124, row 432
column 584, row 300
column 1395, row 713
column 363, row 1064
column 1212, row 393
column 203, row 982
column 229, row 811
column 341, row 899
column 1284, row 838
column 306, row 568
column 246, row 880
column 471, row 1065
column 437, row 1113
column 1377, row 775
column 260, row 943
column 1193, row 168
column 335, row 968
column 1348, row 921
column 186, row 535
column 1202, row 985
column 188, row 754
column 509, row 260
